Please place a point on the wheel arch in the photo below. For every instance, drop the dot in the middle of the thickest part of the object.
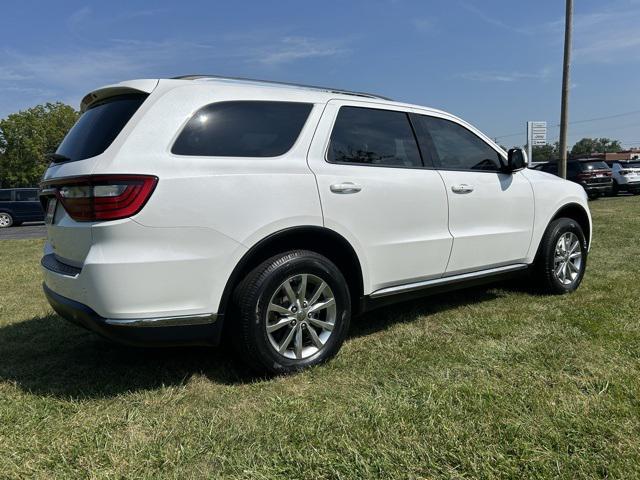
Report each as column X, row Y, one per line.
column 576, row 212
column 321, row 240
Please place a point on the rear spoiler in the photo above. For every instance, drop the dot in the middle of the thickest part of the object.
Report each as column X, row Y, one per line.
column 131, row 86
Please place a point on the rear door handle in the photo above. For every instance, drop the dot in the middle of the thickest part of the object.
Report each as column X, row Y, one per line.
column 345, row 187
column 462, row 188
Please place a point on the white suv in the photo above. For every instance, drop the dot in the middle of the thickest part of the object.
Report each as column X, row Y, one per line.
column 626, row 176
column 177, row 206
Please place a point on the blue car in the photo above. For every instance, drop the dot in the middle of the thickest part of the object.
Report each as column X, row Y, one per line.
column 19, row 205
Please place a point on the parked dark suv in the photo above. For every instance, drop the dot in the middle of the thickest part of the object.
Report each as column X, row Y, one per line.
column 19, row 205
column 594, row 175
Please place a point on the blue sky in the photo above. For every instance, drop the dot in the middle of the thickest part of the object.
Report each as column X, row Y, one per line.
column 496, row 63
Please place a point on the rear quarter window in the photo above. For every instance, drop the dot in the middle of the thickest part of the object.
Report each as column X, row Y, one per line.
column 5, row 195
column 242, row 129
column 26, row 195
column 98, row 126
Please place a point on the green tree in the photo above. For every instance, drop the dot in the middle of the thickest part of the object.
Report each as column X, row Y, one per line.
column 544, row 153
column 26, row 137
column 588, row 146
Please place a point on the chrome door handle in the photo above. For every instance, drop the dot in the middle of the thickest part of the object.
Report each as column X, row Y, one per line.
column 345, row 187
column 462, row 188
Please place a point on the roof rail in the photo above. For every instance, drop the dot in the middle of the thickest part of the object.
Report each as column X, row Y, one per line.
column 288, row 84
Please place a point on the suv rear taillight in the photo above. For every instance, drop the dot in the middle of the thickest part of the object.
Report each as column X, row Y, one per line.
column 101, row 197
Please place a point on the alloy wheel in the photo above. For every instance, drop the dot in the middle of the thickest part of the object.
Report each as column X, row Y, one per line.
column 5, row 220
column 301, row 316
column 567, row 260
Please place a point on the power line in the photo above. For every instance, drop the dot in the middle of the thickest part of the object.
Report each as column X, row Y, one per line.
column 617, row 115
column 607, row 117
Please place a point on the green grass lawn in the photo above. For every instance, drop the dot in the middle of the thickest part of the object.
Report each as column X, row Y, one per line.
column 482, row 383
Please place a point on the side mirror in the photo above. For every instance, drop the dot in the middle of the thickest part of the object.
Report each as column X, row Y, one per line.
column 516, row 160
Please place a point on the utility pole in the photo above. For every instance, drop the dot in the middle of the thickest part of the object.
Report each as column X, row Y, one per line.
column 564, row 113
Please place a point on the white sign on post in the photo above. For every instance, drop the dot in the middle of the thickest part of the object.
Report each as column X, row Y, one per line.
column 538, row 133
column 536, row 136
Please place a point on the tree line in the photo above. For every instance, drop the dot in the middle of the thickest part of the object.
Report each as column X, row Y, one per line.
column 27, row 136
column 582, row 148
column 25, row 139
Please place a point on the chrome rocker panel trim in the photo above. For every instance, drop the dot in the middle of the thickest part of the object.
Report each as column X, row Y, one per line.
column 177, row 321
column 411, row 287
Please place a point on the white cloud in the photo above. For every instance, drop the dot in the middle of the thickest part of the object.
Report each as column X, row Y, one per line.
column 79, row 17
column 7, row 74
column 609, row 35
column 290, row 49
column 492, row 20
column 424, row 25
column 493, row 76
column 69, row 74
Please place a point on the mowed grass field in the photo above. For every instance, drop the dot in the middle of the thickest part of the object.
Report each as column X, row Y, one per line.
column 493, row 382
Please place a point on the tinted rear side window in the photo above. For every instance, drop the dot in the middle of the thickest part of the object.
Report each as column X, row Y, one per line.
column 369, row 136
column 573, row 168
column 26, row 195
column 99, row 126
column 243, row 129
column 5, row 195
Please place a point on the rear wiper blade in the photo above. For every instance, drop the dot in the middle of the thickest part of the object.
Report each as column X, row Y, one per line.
column 57, row 158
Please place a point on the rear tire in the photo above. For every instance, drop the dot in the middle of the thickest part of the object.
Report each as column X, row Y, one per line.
column 562, row 258
column 6, row 220
column 293, row 312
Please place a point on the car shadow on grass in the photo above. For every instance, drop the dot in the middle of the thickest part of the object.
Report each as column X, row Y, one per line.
column 49, row 356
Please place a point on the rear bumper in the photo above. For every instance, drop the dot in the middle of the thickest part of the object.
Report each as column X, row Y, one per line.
column 630, row 186
column 123, row 270
column 160, row 331
column 598, row 187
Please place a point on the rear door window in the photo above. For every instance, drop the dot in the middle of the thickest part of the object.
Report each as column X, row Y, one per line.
column 26, row 195
column 98, row 127
column 243, row 129
column 5, row 195
column 369, row 136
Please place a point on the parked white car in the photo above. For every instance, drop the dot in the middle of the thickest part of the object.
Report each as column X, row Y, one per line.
column 177, row 206
column 626, row 176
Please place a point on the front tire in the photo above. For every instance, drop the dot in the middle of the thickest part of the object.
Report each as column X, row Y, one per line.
column 6, row 220
column 562, row 257
column 293, row 312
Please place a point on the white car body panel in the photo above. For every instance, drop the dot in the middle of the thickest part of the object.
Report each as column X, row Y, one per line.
column 551, row 194
column 491, row 225
column 398, row 220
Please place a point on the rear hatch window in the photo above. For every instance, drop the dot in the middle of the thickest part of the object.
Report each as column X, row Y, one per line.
column 98, row 127
column 597, row 165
